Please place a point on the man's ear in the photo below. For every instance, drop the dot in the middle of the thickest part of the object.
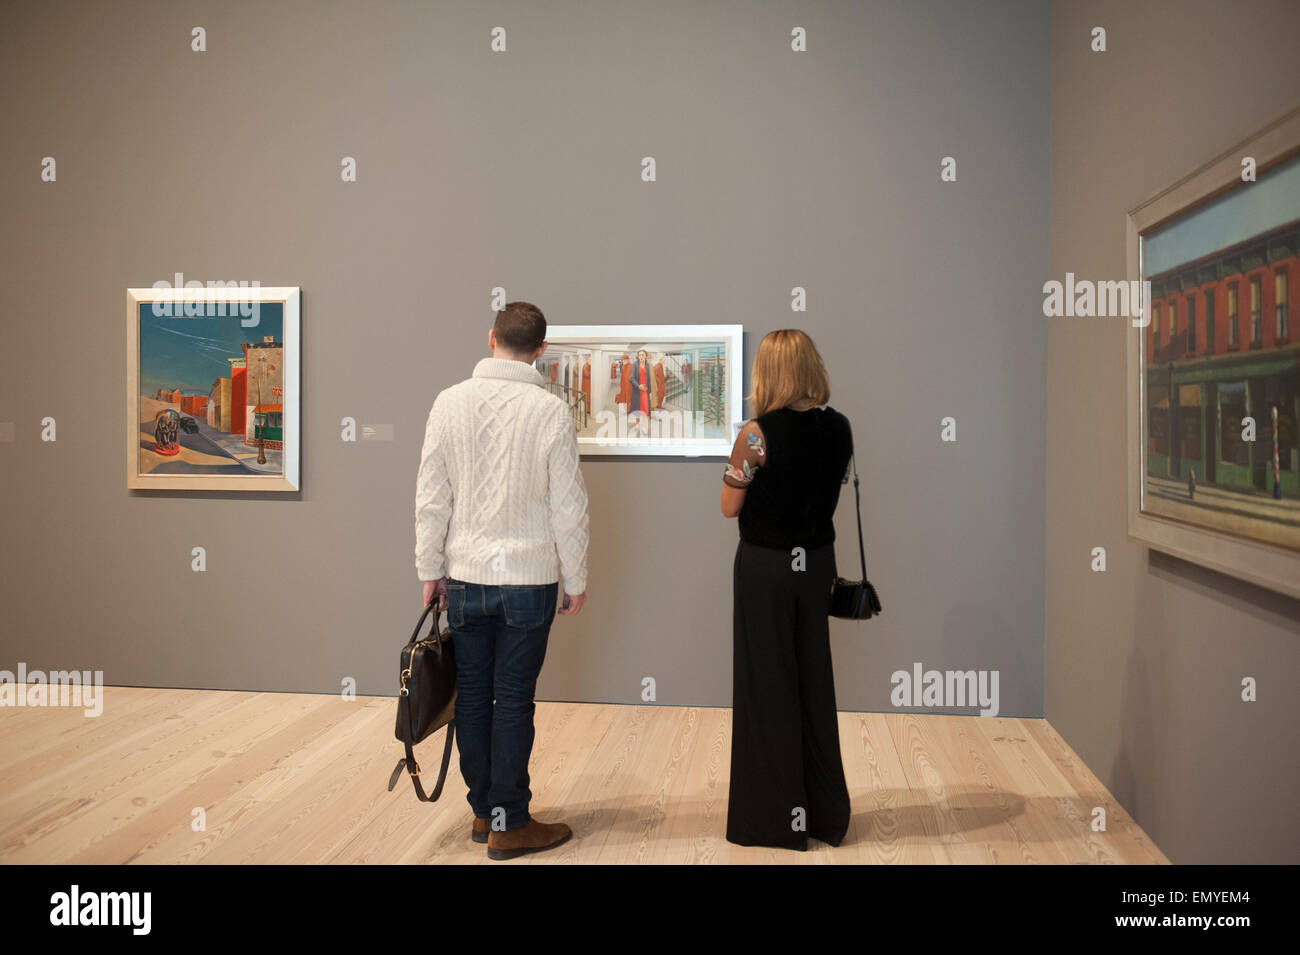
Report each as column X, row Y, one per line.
column 540, row 350
column 492, row 340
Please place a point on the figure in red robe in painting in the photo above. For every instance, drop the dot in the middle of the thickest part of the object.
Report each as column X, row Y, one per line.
column 642, row 381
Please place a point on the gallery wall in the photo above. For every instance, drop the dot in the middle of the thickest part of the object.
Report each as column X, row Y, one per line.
column 1145, row 662
column 475, row 170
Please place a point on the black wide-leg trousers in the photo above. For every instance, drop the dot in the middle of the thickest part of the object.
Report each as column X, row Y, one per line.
column 787, row 777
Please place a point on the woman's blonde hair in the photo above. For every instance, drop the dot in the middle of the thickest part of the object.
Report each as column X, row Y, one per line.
column 788, row 371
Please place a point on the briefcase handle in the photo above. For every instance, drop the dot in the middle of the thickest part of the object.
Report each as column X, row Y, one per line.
column 435, row 633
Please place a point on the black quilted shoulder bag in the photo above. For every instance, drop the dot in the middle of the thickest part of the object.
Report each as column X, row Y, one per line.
column 855, row 599
column 426, row 701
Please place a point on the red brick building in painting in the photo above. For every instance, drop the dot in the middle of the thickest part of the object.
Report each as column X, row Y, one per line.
column 1221, row 346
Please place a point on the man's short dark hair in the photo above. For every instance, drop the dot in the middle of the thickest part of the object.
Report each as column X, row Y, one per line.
column 520, row 328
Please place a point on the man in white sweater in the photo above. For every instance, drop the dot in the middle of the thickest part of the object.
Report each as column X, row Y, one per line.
column 500, row 517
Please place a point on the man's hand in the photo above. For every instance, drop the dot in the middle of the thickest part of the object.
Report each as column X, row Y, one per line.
column 573, row 603
column 436, row 588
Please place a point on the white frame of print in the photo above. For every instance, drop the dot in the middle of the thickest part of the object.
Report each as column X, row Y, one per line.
column 1277, row 568
column 731, row 335
column 289, row 297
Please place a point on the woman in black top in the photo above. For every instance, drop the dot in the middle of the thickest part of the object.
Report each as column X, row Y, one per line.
column 783, row 480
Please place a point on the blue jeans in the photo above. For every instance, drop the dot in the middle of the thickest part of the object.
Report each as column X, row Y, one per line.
column 500, row 635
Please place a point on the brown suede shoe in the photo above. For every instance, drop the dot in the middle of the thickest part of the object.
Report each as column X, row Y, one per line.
column 534, row 837
column 480, row 831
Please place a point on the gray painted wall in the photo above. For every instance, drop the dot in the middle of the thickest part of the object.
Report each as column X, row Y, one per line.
column 522, row 170
column 1144, row 663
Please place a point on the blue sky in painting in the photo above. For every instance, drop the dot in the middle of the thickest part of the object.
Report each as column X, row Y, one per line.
column 190, row 352
column 1233, row 217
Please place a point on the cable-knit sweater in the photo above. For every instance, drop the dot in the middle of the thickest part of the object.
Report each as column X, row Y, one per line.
column 500, row 498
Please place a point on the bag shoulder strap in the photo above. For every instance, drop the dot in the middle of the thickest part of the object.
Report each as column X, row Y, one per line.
column 414, row 768
column 857, row 506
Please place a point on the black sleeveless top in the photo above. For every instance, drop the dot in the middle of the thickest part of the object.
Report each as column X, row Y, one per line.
column 791, row 499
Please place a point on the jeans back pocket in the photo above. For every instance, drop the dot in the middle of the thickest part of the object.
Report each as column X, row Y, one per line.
column 526, row 607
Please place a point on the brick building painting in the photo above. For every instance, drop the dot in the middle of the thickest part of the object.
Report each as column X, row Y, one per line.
column 1222, row 363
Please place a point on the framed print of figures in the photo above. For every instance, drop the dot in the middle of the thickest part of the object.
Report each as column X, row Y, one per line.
column 648, row 389
column 212, row 388
column 1214, row 363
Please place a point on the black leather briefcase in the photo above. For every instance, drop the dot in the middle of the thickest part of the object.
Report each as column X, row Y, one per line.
column 426, row 700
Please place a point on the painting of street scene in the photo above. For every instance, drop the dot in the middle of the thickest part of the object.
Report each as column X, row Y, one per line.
column 1221, row 363
column 211, row 392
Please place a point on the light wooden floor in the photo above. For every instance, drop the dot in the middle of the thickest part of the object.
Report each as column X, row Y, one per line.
column 290, row 778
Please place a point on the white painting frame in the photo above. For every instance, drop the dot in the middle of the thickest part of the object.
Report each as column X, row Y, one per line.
column 682, row 435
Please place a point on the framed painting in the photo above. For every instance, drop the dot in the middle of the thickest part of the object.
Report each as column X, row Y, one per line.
column 648, row 389
column 212, row 388
column 1214, row 363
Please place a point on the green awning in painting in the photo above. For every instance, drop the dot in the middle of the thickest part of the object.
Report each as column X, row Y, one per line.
column 1233, row 368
